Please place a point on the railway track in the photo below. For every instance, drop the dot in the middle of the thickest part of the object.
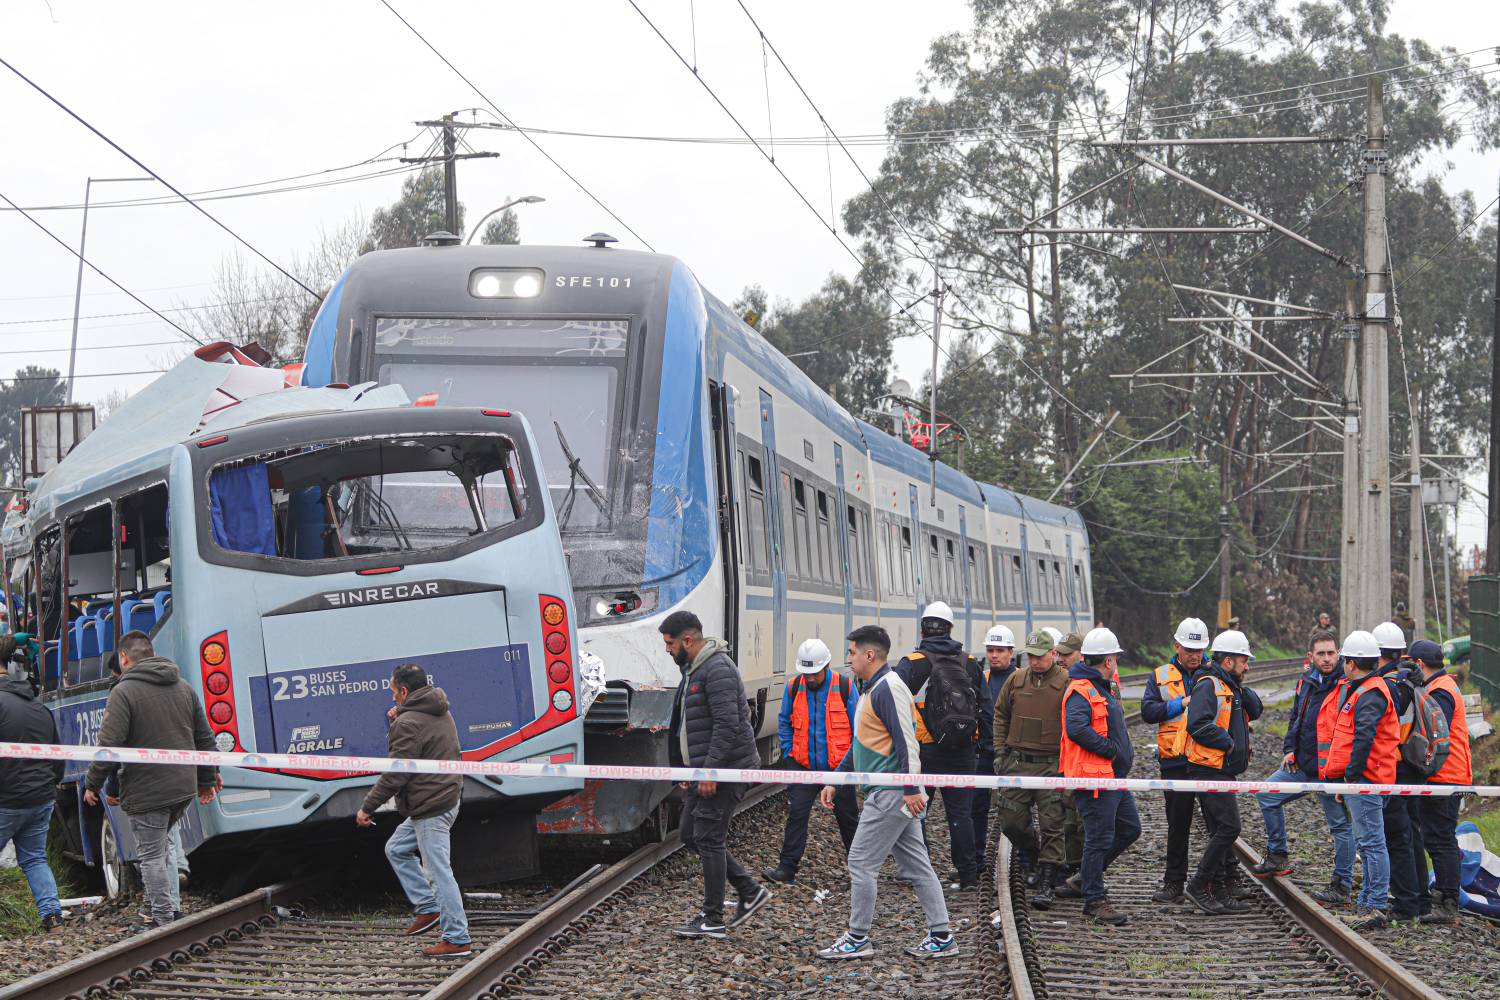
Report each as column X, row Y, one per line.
column 1286, row 946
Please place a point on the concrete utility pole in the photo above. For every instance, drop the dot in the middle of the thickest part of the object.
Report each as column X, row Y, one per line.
column 450, row 174
column 1492, row 536
column 937, row 332
column 1374, row 578
column 1225, row 604
column 1415, row 567
column 1349, row 565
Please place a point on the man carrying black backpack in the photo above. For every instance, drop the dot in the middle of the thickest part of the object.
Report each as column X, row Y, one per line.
column 953, row 720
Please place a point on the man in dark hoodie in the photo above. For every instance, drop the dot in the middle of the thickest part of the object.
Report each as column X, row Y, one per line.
column 1218, row 748
column 153, row 707
column 1096, row 744
column 950, row 693
column 27, row 786
column 711, row 728
column 1309, row 732
column 422, row 728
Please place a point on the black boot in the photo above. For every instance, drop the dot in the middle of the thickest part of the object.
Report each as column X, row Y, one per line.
column 1070, row 887
column 1202, row 895
column 1446, row 911
column 1170, row 892
column 1041, row 897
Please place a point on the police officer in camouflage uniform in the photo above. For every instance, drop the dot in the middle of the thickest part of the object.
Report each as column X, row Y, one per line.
column 1028, row 733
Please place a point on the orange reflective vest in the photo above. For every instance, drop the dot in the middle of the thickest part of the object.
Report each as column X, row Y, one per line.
column 1073, row 760
column 1380, row 768
column 835, row 719
column 1328, row 714
column 1171, row 736
column 1204, row 756
column 1458, row 769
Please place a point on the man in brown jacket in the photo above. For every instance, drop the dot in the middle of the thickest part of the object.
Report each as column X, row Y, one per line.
column 423, row 729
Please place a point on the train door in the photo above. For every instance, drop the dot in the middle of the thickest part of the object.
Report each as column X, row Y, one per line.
column 916, row 551
column 968, row 585
column 840, row 529
column 778, row 563
column 721, row 406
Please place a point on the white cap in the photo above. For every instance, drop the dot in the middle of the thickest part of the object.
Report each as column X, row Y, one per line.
column 1100, row 642
column 1057, row 636
column 1192, row 634
column 1361, row 645
column 938, row 610
column 1390, row 636
column 1000, row 636
column 812, row 656
column 1233, row 642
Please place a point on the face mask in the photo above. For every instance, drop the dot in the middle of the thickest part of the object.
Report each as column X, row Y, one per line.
column 681, row 657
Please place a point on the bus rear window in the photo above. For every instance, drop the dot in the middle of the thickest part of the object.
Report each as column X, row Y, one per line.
column 342, row 499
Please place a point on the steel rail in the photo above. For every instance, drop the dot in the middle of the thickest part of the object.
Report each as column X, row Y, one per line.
column 137, row 958
column 508, row 961
column 1010, row 931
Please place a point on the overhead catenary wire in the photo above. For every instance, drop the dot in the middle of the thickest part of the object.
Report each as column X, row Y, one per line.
column 506, row 118
column 161, row 180
column 95, row 268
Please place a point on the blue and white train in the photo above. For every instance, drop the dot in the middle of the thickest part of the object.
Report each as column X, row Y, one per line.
column 692, row 466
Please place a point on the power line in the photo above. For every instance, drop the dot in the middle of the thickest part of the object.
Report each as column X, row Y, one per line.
column 506, row 118
column 59, row 378
column 143, row 312
column 32, row 219
column 121, row 150
column 94, row 347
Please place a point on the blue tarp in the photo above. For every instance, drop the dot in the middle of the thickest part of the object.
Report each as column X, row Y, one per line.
column 240, row 504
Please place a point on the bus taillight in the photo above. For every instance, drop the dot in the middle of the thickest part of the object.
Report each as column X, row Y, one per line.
column 559, row 655
column 218, row 692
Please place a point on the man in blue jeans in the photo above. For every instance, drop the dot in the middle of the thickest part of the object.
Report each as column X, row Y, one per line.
column 422, row 729
column 1308, row 735
column 27, row 789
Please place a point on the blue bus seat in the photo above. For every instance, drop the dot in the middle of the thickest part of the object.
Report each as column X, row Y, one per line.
column 52, row 664
column 126, row 604
column 142, row 618
column 88, row 640
column 160, row 603
column 105, row 630
column 75, row 638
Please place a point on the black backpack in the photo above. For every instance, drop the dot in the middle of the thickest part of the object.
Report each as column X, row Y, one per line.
column 951, row 709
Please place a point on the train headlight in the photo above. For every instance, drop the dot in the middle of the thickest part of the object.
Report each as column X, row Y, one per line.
column 506, row 283
column 562, row 700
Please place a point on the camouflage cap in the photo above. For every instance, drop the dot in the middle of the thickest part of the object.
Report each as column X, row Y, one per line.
column 1039, row 643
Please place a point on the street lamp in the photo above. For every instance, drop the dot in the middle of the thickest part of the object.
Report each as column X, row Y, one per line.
column 78, row 288
column 530, row 199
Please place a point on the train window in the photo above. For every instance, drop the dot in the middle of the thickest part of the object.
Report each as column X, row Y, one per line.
column 906, row 563
column 755, row 516
column 950, row 566
column 828, row 545
column 807, row 564
column 856, row 555
column 1080, row 592
column 866, row 554
column 934, row 569
column 1017, row 581
column 888, row 549
column 976, row 580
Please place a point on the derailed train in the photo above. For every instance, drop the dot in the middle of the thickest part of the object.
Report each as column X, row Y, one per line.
column 692, row 466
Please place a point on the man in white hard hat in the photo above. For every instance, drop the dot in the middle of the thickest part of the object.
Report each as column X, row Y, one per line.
column 816, row 726
column 1220, row 711
column 954, row 718
column 1403, row 823
column 1096, row 744
column 998, row 665
column 1165, row 704
column 1365, row 746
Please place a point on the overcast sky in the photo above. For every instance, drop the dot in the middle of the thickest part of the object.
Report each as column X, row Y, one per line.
column 214, row 95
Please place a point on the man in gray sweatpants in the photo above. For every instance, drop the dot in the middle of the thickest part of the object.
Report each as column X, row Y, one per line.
column 885, row 741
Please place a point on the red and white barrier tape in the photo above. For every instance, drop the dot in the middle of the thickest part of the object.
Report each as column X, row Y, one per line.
column 751, row 776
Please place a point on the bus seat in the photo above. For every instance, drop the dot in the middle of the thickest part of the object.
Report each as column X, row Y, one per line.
column 52, row 665
column 160, row 602
column 105, row 630
column 126, row 604
column 142, row 617
column 88, row 640
column 75, row 637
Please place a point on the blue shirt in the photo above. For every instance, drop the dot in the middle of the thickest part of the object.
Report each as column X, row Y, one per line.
column 817, row 724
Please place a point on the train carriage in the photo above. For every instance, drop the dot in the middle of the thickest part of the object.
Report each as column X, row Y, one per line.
column 693, row 466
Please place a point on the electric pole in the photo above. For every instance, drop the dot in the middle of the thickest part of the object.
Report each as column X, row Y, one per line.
column 1415, row 568
column 449, row 159
column 1492, row 536
column 932, row 427
column 1349, row 565
column 1374, row 578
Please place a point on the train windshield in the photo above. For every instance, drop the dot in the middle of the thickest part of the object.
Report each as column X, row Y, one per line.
column 348, row 498
column 564, row 374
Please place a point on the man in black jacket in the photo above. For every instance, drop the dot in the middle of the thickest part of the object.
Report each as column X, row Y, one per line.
column 27, row 789
column 711, row 728
column 1219, row 715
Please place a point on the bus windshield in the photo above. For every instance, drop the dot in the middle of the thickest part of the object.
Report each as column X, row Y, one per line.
column 564, row 374
column 381, row 494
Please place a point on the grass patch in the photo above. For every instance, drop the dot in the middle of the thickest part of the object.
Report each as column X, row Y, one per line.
column 1489, row 828
column 1276, row 727
column 17, row 909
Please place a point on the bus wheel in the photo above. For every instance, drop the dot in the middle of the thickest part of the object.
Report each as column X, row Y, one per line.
column 119, row 875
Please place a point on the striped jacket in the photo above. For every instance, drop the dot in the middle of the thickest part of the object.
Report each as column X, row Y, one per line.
column 885, row 733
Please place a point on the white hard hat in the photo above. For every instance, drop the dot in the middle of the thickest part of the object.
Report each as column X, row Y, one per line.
column 938, row 610
column 812, row 656
column 1233, row 642
column 1192, row 634
column 1000, row 636
column 1390, row 636
column 1057, row 636
column 1100, row 642
column 1361, row 645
